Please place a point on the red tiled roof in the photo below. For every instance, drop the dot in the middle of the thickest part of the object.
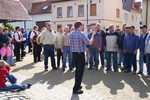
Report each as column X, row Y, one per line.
column 13, row 10
column 38, row 8
column 28, row 3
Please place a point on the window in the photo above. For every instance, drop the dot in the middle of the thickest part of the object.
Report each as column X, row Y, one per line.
column 93, row 10
column 81, row 10
column 126, row 17
column 132, row 17
column 59, row 12
column 117, row 13
column 69, row 11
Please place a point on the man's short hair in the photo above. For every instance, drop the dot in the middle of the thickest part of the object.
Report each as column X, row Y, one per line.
column 77, row 24
column 35, row 27
column 59, row 26
column 16, row 28
column 144, row 26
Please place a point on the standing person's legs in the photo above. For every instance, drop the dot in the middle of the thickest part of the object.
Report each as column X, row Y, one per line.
column 64, row 58
column 46, row 55
column 91, row 52
column 148, row 63
column 17, row 51
column 102, row 58
column 127, row 60
column 39, row 50
column 9, row 60
column 141, row 62
column 120, row 57
column 35, row 53
column 115, row 63
column 79, row 61
column 22, row 50
column 59, row 54
column 134, row 63
column 96, row 58
column 108, row 58
column 52, row 55
column 70, row 59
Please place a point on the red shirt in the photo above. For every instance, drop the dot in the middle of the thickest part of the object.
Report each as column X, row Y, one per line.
column 3, row 72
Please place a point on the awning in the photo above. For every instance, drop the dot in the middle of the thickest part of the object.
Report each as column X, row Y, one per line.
column 13, row 10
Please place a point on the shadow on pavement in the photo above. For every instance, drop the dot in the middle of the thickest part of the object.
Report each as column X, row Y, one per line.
column 26, row 67
column 113, row 80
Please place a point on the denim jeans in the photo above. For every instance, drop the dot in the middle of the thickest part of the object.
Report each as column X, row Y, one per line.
column 67, row 53
column 10, row 60
column 94, row 57
column 13, row 86
column 141, row 61
column 130, row 60
column 120, row 57
column 49, row 52
column 148, row 63
column 108, row 58
column 102, row 57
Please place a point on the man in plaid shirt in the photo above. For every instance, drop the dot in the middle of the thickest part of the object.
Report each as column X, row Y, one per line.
column 78, row 42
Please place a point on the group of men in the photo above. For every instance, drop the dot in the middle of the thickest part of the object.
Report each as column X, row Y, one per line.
column 83, row 48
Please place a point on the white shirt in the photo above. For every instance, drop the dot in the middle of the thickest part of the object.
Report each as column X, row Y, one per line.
column 16, row 36
column 33, row 34
column 47, row 37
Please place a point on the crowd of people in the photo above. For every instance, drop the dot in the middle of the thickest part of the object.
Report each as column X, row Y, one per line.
column 118, row 47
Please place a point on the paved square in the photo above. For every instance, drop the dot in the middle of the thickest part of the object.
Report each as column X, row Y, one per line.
column 97, row 85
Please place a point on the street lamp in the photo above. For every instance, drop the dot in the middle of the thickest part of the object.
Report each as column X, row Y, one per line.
column 88, row 10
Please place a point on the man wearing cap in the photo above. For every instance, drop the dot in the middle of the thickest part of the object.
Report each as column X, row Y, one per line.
column 142, row 47
column 122, row 35
column 147, row 52
column 130, row 45
column 47, row 37
column 112, row 39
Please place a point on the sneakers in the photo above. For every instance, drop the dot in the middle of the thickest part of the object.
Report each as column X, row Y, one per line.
column 29, row 86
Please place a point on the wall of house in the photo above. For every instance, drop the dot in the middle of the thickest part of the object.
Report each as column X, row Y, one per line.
column 106, row 12
column 35, row 18
column 132, row 18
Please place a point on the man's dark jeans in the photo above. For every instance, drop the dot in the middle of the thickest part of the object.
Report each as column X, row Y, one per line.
column 49, row 52
column 130, row 59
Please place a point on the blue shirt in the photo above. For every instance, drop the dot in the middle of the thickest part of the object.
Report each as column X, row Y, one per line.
column 78, row 41
column 142, row 42
column 131, row 43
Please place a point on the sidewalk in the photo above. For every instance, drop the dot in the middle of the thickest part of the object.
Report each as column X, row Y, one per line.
column 97, row 85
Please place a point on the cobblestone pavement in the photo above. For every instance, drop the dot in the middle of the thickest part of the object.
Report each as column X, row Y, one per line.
column 13, row 96
column 97, row 85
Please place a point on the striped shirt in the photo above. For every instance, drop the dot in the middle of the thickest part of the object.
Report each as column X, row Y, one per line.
column 78, row 41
